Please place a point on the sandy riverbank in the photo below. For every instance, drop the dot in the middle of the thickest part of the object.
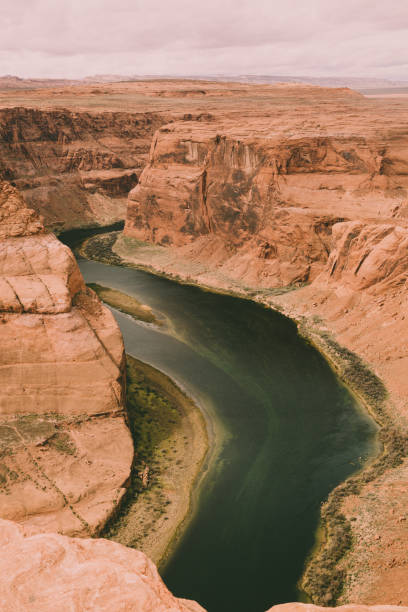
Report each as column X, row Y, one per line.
column 171, row 443
column 125, row 303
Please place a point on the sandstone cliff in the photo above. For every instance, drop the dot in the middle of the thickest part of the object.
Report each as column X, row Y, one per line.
column 360, row 300
column 65, row 447
column 263, row 203
column 74, row 168
column 48, row 572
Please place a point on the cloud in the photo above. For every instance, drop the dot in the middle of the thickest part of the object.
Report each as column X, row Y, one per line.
column 319, row 37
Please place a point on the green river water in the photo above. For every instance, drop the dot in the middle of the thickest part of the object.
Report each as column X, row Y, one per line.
column 285, row 433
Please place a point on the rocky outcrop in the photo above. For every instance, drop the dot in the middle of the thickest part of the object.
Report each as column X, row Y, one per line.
column 262, row 204
column 75, row 168
column 47, row 572
column 65, row 448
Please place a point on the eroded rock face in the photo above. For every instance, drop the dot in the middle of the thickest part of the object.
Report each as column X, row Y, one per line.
column 203, row 187
column 266, row 196
column 48, row 572
column 75, row 169
column 361, row 298
column 65, row 448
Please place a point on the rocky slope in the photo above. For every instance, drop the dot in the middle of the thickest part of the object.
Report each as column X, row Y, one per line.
column 74, row 168
column 86, row 144
column 312, row 198
column 65, row 448
column 360, row 297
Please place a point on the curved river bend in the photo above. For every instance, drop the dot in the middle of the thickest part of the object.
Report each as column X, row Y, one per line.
column 287, row 433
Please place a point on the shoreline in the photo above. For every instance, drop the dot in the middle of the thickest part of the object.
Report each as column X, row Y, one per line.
column 212, row 430
column 159, row 500
column 125, row 304
column 333, row 533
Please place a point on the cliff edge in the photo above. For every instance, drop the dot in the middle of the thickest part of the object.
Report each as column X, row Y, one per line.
column 66, row 451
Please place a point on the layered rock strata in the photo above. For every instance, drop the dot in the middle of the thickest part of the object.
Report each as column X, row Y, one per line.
column 76, row 151
column 75, row 169
column 262, row 203
column 360, row 300
column 65, row 448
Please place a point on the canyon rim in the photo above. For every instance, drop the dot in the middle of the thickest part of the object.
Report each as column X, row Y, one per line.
column 292, row 195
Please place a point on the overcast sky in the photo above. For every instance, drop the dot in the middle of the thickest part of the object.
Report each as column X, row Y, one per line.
column 76, row 38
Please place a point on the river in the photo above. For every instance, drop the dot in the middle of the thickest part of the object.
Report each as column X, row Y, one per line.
column 286, row 433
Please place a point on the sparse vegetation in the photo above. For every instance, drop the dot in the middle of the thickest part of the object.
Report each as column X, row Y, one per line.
column 99, row 247
column 356, row 374
column 153, row 417
column 63, row 443
column 324, row 577
column 163, row 422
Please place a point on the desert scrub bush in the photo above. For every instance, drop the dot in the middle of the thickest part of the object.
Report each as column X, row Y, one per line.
column 99, row 247
column 152, row 416
column 63, row 443
column 317, row 319
column 324, row 579
column 358, row 374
